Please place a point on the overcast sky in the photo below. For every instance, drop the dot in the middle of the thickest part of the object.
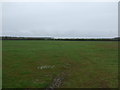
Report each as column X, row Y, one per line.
column 93, row 19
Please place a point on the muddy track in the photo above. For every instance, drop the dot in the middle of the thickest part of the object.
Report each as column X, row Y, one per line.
column 59, row 79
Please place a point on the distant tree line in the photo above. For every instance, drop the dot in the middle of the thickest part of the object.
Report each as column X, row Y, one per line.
column 26, row 38
column 60, row 39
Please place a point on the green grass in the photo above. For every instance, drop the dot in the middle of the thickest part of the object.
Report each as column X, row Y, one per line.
column 0, row 64
column 88, row 64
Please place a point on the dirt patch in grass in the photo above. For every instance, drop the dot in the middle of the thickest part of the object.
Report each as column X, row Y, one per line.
column 59, row 79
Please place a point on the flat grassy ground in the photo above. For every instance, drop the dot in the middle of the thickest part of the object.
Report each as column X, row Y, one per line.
column 87, row 64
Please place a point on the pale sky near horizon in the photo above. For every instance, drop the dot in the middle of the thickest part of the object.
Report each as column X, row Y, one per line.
column 67, row 19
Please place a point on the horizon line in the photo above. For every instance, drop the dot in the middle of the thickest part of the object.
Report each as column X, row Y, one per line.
column 56, row 37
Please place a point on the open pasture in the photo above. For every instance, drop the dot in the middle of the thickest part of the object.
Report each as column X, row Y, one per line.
column 80, row 64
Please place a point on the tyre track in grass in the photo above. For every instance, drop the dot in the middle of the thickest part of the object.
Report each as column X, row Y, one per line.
column 59, row 79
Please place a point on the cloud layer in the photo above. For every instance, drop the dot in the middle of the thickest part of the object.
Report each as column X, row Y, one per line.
column 60, row 19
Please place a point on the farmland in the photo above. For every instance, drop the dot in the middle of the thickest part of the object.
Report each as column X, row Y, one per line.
column 36, row 63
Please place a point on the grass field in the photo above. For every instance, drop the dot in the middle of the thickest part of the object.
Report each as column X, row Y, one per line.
column 86, row 64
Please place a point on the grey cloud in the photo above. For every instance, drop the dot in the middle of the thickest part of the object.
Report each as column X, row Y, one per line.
column 60, row 19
